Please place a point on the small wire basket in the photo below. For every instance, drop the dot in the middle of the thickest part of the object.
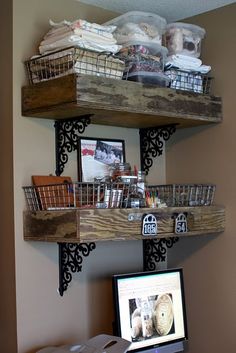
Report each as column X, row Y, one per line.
column 78, row 195
column 73, row 60
column 189, row 80
column 177, row 195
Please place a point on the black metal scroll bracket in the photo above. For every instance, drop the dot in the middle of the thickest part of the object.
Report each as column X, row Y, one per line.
column 151, row 146
column 66, row 138
column 70, row 261
column 154, row 251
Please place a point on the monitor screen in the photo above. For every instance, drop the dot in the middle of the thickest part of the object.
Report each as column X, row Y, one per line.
column 150, row 308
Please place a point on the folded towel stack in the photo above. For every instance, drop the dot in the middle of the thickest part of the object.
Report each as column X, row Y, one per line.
column 187, row 63
column 79, row 33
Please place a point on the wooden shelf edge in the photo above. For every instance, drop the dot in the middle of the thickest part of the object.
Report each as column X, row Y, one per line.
column 160, row 236
column 114, row 102
column 96, row 225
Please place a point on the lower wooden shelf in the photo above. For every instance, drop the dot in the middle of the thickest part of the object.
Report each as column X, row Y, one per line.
column 93, row 225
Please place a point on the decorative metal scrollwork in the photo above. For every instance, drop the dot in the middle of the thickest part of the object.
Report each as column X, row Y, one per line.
column 151, row 144
column 70, row 260
column 154, row 251
column 67, row 132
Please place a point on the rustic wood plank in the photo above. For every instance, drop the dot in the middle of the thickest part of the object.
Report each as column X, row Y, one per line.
column 49, row 93
column 51, row 226
column 85, row 225
column 118, row 103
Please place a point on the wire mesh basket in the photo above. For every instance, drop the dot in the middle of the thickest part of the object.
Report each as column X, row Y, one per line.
column 189, row 80
column 79, row 195
column 73, row 60
column 174, row 195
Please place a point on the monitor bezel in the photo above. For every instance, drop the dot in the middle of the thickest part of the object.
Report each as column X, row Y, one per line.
column 117, row 324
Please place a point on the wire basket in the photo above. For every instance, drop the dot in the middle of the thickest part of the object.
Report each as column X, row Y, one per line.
column 189, row 81
column 73, row 60
column 174, row 195
column 79, row 195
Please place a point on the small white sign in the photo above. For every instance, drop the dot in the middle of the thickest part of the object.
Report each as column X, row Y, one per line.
column 149, row 226
column 181, row 225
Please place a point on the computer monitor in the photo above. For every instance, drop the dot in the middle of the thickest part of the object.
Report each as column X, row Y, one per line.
column 150, row 310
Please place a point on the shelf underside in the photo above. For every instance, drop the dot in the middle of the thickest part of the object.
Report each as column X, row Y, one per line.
column 92, row 225
column 118, row 103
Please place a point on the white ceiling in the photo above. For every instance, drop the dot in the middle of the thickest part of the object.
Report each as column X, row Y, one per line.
column 171, row 10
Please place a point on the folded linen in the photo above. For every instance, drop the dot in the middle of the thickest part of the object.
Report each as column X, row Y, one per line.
column 93, row 27
column 81, row 34
column 186, row 63
column 204, row 69
column 56, row 31
column 78, row 42
column 83, row 24
column 94, row 36
column 184, row 60
column 56, row 37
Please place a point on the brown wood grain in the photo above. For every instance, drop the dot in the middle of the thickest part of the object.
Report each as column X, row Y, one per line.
column 118, row 102
column 85, row 225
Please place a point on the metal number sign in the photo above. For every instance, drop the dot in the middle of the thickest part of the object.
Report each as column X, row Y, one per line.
column 181, row 223
column 149, row 226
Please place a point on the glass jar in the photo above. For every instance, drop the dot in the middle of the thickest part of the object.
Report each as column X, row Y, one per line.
column 119, row 169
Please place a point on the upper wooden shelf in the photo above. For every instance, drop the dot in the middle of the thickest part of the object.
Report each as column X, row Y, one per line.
column 118, row 103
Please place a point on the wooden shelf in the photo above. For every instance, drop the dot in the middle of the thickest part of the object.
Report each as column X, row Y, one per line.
column 125, row 104
column 93, row 225
column 118, row 103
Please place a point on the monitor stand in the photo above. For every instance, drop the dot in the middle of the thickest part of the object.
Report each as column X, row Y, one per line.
column 170, row 348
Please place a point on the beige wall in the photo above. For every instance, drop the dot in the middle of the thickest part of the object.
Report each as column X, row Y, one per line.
column 208, row 155
column 43, row 317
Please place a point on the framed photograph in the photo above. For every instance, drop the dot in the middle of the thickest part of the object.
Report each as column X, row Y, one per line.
column 95, row 155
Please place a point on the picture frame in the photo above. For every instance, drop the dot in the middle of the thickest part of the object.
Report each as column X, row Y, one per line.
column 95, row 155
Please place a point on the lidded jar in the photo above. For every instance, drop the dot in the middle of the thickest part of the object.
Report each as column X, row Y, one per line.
column 119, row 169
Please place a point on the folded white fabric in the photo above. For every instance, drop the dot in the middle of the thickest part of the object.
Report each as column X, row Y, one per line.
column 204, row 69
column 75, row 41
column 186, row 63
column 83, row 24
column 81, row 34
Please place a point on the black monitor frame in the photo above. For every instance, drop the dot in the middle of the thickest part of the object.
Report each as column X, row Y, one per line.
column 156, row 342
